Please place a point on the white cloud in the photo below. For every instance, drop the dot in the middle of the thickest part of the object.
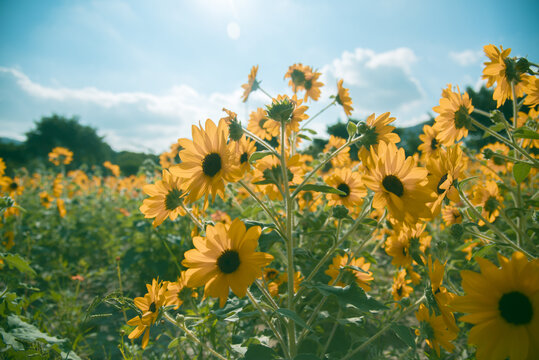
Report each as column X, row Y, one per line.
column 467, row 57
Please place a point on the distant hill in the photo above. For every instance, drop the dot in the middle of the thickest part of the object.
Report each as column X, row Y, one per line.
column 5, row 140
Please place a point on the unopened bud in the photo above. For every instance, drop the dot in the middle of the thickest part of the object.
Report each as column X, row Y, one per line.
column 340, row 212
column 456, row 230
column 497, row 117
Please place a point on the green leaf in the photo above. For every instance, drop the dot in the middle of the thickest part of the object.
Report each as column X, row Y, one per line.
column 351, row 128
column 349, row 295
column 483, row 251
column 526, row 133
column 310, row 131
column 16, row 261
column 306, row 357
column 260, row 352
column 369, row 221
column 28, row 332
column 259, row 155
column 405, row 334
column 521, row 171
column 10, row 340
column 305, row 137
column 431, row 301
column 322, row 188
column 292, row 315
column 266, row 240
column 174, row 343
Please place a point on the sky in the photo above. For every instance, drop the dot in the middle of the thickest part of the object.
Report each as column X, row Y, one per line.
column 142, row 72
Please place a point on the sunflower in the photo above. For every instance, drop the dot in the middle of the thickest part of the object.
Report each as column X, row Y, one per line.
column 312, row 86
column 149, row 305
column 343, row 98
column 273, row 280
column 45, row 199
column 443, row 175
column 225, row 259
column 2, row 166
column 503, row 70
column 430, row 147
column 177, row 292
column 252, row 83
column 11, row 186
column 60, row 155
column 273, row 127
column 207, row 162
column 361, row 277
column 58, row 186
column 374, row 131
column 487, row 195
column 434, row 330
column 442, row 296
column 297, row 74
column 531, row 87
column 343, row 157
column 531, row 119
column 495, row 163
column 268, row 174
column 349, row 182
column 469, row 248
column 114, row 169
column 246, row 147
column 453, row 121
column 503, row 304
column 165, row 199
column 400, row 288
column 309, row 200
column 398, row 184
column 298, row 279
column 256, row 124
column 451, row 215
column 404, row 240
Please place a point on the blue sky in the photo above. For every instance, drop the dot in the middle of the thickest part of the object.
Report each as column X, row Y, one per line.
column 142, row 72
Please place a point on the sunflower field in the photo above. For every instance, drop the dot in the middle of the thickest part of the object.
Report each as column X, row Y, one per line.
column 239, row 244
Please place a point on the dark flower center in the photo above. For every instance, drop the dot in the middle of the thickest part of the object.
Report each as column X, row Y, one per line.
column 434, row 144
column 442, row 180
column 405, row 251
column 399, row 290
column 271, row 274
column 13, row 186
column 498, row 160
column 228, row 261
column 298, row 77
column 370, row 137
column 491, row 204
column 392, row 184
column 516, row 308
column 338, row 100
column 153, row 307
column 307, row 196
column 308, row 84
column 244, row 157
column 345, row 189
column 172, row 199
column 211, row 164
column 461, row 118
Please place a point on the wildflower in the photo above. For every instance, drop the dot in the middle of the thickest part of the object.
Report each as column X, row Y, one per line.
column 11, row 186
column 469, row 248
column 343, row 157
column 115, row 169
column 312, row 86
column 252, row 83
column 2, row 166
column 343, row 98
column 487, row 196
column 532, row 120
column 434, row 330
column 57, row 186
column 400, row 288
column 256, row 124
column 45, row 199
column 451, row 215
column 503, row 305
column 9, row 241
column 503, row 70
column 207, row 162
column 166, row 199
column 298, row 279
column 341, row 263
column 225, row 259
column 406, row 244
column 429, row 147
column 531, row 87
column 60, row 155
column 442, row 296
column 149, row 305
column 398, row 184
column 374, row 131
column 453, row 121
column 273, row 127
column 349, row 182
column 60, row 204
column 297, row 74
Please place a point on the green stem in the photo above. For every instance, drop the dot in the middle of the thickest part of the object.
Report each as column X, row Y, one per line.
column 172, row 256
column 266, row 294
column 192, row 217
column 332, row 332
column 265, row 92
column 269, row 323
column 119, row 284
column 518, row 195
column 317, row 114
column 261, row 142
column 192, row 336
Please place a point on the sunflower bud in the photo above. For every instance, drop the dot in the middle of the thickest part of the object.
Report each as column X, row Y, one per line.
column 280, row 110
column 235, row 130
column 340, row 212
column 497, row 117
column 362, row 128
column 488, row 154
column 523, row 66
column 456, row 230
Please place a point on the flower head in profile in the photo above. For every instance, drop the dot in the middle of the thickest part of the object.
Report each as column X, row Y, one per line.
column 341, row 263
column 297, row 74
column 503, row 70
column 487, row 195
column 453, row 121
column 343, row 98
column 149, row 306
column 502, row 303
column 252, row 83
column 496, row 163
column 60, row 155
column 434, row 330
column 312, row 86
column 400, row 288
column 207, row 162
column 374, row 131
column 429, row 147
column 165, row 201
column 114, row 169
column 45, row 199
column 442, row 296
column 280, row 107
column 531, row 88
column 257, row 119
column 225, row 260
column 349, row 182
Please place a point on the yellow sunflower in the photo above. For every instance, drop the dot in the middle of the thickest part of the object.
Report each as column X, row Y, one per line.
column 404, row 240
column 451, row 215
column 531, row 119
column 503, row 70
column 361, row 277
column 252, row 83
column 45, row 199
column 11, row 186
column 2, row 166
column 114, row 169
column 256, row 124
column 434, row 330
column 165, row 199
column 400, row 288
column 246, row 147
column 273, row 127
column 531, row 88
column 487, row 195
column 312, row 86
column 343, row 157
column 225, row 259
column 442, row 296
column 444, row 173
column 207, row 162
column 177, row 292
column 429, row 147
column 343, row 98
column 349, row 182
column 297, row 74
column 503, row 304
column 149, row 305
column 398, row 184
column 453, row 121
column 374, row 131
column 495, row 163
column 60, row 155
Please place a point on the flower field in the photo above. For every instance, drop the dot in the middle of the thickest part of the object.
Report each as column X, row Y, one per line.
column 242, row 244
